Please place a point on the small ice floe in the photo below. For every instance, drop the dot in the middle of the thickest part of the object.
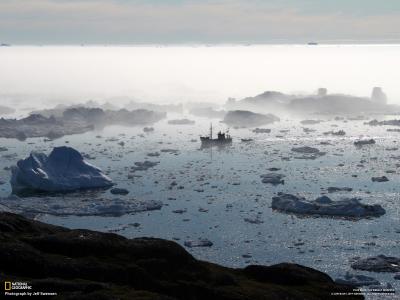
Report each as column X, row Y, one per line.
column 198, row 243
column 324, row 206
column 153, row 154
column 148, row 129
column 262, row 130
column 273, row 178
column 119, row 191
column 144, row 166
column 380, row 263
column 310, row 122
column 333, row 189
column 337, row 133
column 364, row 142
column 170, row 151
column 308, row 152
column 357, row 280
column 255, row 220
column 64, row 170
column 380, row 179
column 78, row 206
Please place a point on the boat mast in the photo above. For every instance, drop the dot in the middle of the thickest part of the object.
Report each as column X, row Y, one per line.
column 211, row 131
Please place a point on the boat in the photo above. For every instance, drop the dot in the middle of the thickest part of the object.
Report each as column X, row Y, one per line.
column 223, row 138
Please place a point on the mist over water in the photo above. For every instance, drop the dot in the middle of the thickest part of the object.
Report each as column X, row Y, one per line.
column 42, row 76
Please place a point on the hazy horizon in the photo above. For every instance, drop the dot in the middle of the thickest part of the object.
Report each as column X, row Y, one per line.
column 172, row 74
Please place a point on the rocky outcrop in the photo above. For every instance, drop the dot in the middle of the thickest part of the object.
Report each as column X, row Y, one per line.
column 244, row 118
column 83, row 264
column 64, row 170
column 324, row 206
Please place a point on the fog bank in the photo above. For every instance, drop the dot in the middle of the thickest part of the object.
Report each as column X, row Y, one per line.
column 52, row 75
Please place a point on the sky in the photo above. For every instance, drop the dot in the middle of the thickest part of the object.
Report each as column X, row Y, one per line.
column 198, row 21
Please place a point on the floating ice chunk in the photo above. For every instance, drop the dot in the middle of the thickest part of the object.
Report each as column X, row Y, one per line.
column 273, row 178
column 324, row 206
column 198, row 243
column 380, row 179
column 119, row 191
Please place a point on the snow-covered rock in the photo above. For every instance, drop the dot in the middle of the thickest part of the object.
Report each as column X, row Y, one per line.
column 324, row 206
column 64, row 170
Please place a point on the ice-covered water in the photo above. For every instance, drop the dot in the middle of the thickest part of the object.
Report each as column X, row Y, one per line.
column 213, row 194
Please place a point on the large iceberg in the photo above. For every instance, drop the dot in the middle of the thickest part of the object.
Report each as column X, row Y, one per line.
column 64, row 170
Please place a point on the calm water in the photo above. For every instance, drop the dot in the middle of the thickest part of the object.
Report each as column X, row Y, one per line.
column 227, row 184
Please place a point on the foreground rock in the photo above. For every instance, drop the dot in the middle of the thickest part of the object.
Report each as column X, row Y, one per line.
column 244, row 118
column 324, row 206
column 83, row 264
column 64, row 170
column 380, row 263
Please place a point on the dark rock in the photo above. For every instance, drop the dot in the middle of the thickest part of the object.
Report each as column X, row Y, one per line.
column 83, row 264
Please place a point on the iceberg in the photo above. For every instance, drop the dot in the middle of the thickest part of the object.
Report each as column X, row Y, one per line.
column 64, row 170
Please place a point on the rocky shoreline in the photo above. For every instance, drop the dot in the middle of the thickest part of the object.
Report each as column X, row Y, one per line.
column 83, row 264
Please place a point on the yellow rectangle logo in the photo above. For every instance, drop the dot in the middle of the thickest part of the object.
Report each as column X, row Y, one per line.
column 7, row 286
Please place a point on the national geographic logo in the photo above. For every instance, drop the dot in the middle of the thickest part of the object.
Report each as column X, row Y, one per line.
column 16, row 285
column 24, row 289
